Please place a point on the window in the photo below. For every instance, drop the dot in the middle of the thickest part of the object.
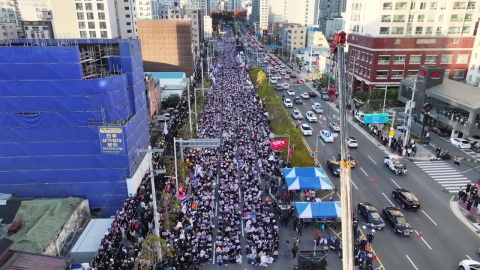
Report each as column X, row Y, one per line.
column 433, row 5
column 406, row 91
column 410, row 18
column 103, row 25
column 454, row 30
column 472, row 67
column 466, row 29
column 456, row 18
column 83, row 34
column 397, row 74
column 127, row 16
column 439, row 30
column 421, row 18
column 459, row 5
column 401, row 6
column 459, row 74
column 79, row 6
column 129, row 23
column 80, row 16
column 100, row 6
column 431, row 59
column 440, row 18
column 387, row 6
column 92, row 34
column 400, row 59
column 129, row 31
column 397, row 30
column 431, row 18
column 397, row 41
column 423, row 5
column 90, row 16
column 428, row 30
column 415, row 59
column 88, row 6
column 418, row 30
column 81, row 25
column 382, row 74
column 409, row 30
column 91, row 25
column 446, row 59
column 384, row 59
column 103, row 34
column 399, row 18
column 471, row 5
column 412, row 72
column 462, row 58
column 468, row 17
column 101, row 16
column 386, row 18
column 127, row 8
column 412, row 5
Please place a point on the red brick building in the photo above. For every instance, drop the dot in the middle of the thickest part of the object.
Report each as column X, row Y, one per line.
column 384, row 61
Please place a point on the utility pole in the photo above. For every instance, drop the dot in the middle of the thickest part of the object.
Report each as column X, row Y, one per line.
column 384, row 99
column 189, row 108
column 311, row 55
column 410, row 106
column 156, row 218
column 196, row 112
column 203, row 84
column 392, row 127
column 345, row 165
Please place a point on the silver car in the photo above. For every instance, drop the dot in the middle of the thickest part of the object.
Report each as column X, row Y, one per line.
column 297, row 115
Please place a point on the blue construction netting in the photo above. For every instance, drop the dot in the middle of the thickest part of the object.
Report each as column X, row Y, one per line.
column 50, row 118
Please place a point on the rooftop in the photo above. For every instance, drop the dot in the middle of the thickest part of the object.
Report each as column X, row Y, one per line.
column 457, row 93
column 168, row 75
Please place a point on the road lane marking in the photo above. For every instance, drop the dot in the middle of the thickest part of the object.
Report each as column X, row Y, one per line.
column 429, row 218
column 354, row 184
column 396, row 184
column 363, row 171
column 424, row 240
column 322, row 117
column 411, row 262
column 336, row 117
column 388, row 199
column 329, row 117
column 469, row 257
column 372, row 159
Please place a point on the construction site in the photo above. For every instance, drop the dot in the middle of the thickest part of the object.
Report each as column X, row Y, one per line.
column 73, row 115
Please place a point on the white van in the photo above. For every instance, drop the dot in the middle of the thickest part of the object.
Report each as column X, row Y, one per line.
column 359, row 116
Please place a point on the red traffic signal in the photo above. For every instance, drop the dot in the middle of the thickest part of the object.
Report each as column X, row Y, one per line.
column 427, row 107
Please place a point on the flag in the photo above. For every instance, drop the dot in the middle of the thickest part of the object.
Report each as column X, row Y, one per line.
column 195, row 182
column 183, row 198
column 278, row 144
column 165, row 129
column 290, row 152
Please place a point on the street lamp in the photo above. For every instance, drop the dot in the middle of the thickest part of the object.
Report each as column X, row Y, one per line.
column 273, row 136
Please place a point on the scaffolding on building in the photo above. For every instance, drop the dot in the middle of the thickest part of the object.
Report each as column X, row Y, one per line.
column 94, row 60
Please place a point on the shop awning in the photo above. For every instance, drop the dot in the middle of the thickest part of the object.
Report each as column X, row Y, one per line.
column 318, row 209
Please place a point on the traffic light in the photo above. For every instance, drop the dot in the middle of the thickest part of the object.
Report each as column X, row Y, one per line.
column 427, row 107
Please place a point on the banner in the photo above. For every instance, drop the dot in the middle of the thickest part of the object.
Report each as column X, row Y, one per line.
column 278, row 144
column 111, row 140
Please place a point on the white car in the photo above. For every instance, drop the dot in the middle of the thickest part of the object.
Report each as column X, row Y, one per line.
column 461, row 143
column 316, row 107
column 306, row 130
column 288, row 103
column 273, row 80
column 297, row 115
column 305, row 95
column 311, row 117
column 277, row 77
column 469, row 265
column 352, row 142
column 282, row 65
column 290, row 92
column 335, row 127
column 285, row 86
column 326, row 135
column 287, row 76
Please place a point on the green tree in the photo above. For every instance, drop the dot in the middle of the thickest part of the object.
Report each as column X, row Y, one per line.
column 150, row 250
column 171, row 102
column 298, row 61
column 169, row 206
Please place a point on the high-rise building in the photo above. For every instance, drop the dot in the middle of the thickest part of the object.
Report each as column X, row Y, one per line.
column 148, row 9
column 293, row 11
column 202, row 5
column 194, row 15
column 213, row 6
column 330, row 8
column 388, row 41
column 473, row 74
column 76, row 117
column 255, row 15
column 264, row 11
column 86, row 19
column 207, row 27
column 295, row 37
column 316, row 39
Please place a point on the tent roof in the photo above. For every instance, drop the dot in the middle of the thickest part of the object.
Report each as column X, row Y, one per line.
column 305, row 172
column 318, row 209
column 303, row 183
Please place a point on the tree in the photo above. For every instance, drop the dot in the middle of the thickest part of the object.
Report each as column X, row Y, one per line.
column 150, row 252
column 171, row 102
column 240, row 14
column 169, row 206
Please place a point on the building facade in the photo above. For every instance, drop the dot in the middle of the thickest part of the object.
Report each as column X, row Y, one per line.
column 295, row 37
column 86, row 19
column 148, row 9
column 255, row 15
column 331, row 8
column 207, row 27
column 303, row 12
column 9, row 30
column 166, row 45
column 264, row 12
column 38, row 29
column 473, row 74
column 153, row 93
column 201, row 5
column 381, row 62
column 331, row 26
column 194, row 15
column 316, row 39
column 77, row 115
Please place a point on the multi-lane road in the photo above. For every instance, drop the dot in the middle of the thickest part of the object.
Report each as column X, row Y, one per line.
column 445, row 239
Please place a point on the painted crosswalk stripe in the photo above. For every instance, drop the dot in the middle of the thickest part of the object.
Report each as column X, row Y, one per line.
column 449, row 178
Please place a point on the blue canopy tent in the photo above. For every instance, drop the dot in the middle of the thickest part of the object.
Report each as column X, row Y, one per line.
column 307, row 183
column 305, row 172
column 318, row 209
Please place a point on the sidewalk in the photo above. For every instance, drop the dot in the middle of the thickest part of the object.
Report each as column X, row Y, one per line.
column 470, row 218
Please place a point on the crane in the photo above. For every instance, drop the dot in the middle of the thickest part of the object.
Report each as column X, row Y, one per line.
column 338, row 50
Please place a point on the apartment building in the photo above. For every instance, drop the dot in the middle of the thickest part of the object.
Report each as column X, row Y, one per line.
column 293, row 11
column 38, row 29
column 389, row 40
column 331, row 26
column 207, row 27
column 202, row 5
column 316, row 39
column 255, row 15
column 8, row 30
column 473, row 74
column 331, row 8
column 148, row 9
column 263, row 13
column 194, row 15
column 295, row 37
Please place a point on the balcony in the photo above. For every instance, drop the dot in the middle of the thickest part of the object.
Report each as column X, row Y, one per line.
column 430, row 61
column 399, row 62
column 383, row 61
column 381, row 75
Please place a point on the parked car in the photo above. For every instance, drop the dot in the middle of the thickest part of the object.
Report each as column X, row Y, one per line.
column 438, row 132
column 461, row 143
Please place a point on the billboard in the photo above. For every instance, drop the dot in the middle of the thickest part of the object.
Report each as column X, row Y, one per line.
column 112, row 140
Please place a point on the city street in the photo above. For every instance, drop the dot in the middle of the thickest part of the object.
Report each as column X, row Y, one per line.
column 435, row 220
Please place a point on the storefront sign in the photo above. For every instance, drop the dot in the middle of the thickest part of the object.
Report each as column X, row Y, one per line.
column 111, row 140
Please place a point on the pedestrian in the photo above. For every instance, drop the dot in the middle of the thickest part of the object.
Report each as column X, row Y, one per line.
column 287, row 248
column 295, row 223
column 299, row 230
column 294, row 251
column 469, row 204
column 370, row 237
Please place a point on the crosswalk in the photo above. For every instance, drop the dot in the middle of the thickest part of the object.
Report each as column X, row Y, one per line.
column 444, row 174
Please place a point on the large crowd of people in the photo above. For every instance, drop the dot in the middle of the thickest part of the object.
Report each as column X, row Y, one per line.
column 225, row 217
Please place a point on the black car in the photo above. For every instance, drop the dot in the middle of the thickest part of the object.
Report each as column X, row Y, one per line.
column 334, row 166
column 293, row 76
column 397, row 220
column 298, row 100
column 439, row 132
column 406, row 198
column 312, row 94
column 371, row 215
